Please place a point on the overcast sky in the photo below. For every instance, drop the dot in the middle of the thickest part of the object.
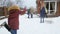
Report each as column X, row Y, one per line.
column 28, row 3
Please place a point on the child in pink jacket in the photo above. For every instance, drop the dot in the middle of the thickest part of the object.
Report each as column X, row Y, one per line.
column 13, row 18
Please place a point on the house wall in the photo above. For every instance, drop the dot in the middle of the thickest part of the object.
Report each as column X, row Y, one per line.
column 58, row 9
column 38, row 6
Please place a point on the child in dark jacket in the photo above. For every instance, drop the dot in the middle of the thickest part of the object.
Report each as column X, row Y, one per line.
column 42, row 12
column 42, row 15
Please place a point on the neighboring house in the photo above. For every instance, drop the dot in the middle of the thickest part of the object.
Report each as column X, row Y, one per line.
column 53, row 7
column 3, row 11
column 3, row 8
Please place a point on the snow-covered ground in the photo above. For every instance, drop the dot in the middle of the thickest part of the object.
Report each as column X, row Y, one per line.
column 33, row 25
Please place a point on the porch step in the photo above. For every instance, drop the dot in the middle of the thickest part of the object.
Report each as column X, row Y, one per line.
column 51, row 16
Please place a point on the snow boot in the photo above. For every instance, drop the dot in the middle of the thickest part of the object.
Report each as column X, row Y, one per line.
column 6, row 26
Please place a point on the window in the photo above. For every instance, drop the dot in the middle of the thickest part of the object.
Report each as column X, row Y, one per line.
column 51, row 7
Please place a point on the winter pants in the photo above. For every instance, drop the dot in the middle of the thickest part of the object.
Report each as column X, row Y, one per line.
column 30, row 15
column 41, row 19
column 13, row 31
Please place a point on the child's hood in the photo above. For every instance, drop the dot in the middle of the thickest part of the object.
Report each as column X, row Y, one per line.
column 14, row 7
